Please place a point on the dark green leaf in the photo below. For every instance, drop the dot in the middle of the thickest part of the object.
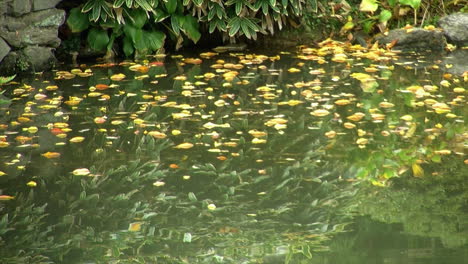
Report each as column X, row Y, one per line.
column 154, row 39
column 190, row 28
column 171, row 6
column 88, row 6
column 77, row 21
column 139, row 17
column 118, row 3
column 98, row 39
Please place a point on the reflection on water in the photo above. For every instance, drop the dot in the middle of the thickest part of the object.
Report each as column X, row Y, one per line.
column 236, row 158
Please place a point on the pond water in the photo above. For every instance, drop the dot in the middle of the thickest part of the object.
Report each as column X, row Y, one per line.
column 328, row 154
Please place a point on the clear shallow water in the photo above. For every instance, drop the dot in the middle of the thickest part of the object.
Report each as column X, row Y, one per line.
column 253, row 159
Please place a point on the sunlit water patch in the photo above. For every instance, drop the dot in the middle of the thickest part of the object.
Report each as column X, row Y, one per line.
column 223, row 158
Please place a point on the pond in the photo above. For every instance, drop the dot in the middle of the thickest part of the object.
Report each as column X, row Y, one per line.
column 327, row 154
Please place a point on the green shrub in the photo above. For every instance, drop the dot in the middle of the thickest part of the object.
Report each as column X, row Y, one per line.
column 142, row 26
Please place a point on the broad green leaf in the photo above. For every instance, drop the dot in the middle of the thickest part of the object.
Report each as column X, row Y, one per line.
column 118, row 3
column 138, row 17
column 95, row 12
column 415, row 4
column 384, row 16
column 145, row 5
column 234, row 26
column 154, row 39
column 171, row 6
column 129, row 3
column 160, row 15
column 77, row 21
column 368, row 6
column 139, row 41
column 88, row 6
column 190, row 28
column 98, row 39
column 6, row 79
column 176, row 22
column 392, row 3
column 130, row 31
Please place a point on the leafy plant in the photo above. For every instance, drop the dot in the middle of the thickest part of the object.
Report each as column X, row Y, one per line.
column 178, row 20
column 6, row 79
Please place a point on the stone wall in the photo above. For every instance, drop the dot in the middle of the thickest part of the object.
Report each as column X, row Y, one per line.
column 28, row 34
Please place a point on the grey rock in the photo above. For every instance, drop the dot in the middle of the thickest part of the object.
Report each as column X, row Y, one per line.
column 46, row 18
column 44, row 4
column 9, row 64
column 457, row 60
column 12, row 23
column 4, row 49
column 32, row 59
column 21, row 7
column 40, row 58
column 455, row 27
column 414, row 39
column 5, row 7
column 46, row 36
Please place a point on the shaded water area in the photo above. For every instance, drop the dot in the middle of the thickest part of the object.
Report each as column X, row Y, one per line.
column 329, row 154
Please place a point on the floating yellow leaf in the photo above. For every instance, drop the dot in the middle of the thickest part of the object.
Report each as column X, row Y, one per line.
column 6, row 197
column 356, row 117
column 342, row 102
column 386, row 105
column 340, row 57
column 23, row 139
column 458, row 90
column 32, row 129
column 418, row 171
column 117, row 77
column 275, row 121
column 441, row 108
column 159, row 183
column 2, row 173
column 157, row 134
column 443, row 152
column 258, row 141
column 100, row 120
column 320, row 112
column 77, row 139
column 293, row 70
column 193, row 60
column 81, row 172
column 330, row 134
column 445, row 83
column 349, row 125
column 362, row 141
column 184, row 146
column 40, row 96
column 51, row 87
column 31, row 184
column 257, row 134
column 406, row 118
column 51, row 155
column 291, row 102
column 135, row 227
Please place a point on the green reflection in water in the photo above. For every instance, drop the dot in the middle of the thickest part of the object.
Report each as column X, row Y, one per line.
column 189, row 163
